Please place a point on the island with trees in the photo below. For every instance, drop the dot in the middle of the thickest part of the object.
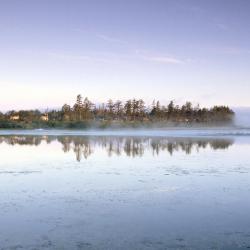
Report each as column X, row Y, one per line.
column 117, row 114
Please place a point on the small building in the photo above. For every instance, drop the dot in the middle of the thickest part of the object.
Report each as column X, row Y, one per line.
column 44, row 117
column 66, row 117
column 14, row 117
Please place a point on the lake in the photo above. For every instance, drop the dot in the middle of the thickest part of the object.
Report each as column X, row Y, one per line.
column 125, row 190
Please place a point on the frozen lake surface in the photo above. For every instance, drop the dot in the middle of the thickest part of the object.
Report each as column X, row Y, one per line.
column 161, row 189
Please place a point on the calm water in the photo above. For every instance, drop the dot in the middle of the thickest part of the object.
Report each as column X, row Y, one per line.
column 124, row 192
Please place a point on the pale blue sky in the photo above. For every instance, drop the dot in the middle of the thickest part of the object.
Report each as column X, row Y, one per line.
column 52, row 50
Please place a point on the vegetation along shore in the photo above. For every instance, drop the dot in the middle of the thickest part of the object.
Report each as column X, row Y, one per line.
column 116, row 114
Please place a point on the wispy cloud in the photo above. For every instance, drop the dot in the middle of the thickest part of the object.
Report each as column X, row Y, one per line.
column 222, row 26
column 132, row 52
column 110, row 39
column 235, row 51
column 64, row 56
column 194, row 9
column 101, row 36
column 164, row 59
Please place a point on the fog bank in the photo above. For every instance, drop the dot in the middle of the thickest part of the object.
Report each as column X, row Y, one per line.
column 242, row 117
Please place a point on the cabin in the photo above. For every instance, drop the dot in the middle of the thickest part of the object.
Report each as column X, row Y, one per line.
column 44, row 117
column 66, row 117
column 14, row 117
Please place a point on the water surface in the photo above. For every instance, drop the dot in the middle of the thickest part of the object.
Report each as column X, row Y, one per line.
column 107, row 191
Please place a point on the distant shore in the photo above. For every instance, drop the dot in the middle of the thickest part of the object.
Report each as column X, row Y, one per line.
column 115, row 114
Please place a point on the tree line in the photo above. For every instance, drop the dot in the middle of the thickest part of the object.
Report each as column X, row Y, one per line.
column 136, row 110
column 130, row 111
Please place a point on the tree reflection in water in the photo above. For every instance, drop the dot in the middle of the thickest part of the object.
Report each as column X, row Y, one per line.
column 84, row 146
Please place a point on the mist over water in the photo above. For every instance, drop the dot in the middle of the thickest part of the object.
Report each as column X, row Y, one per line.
column 242, row 117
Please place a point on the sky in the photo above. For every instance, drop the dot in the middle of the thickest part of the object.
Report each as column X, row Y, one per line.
column 52, row 50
